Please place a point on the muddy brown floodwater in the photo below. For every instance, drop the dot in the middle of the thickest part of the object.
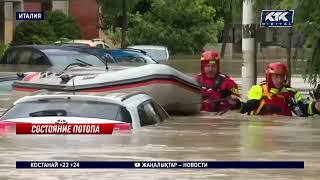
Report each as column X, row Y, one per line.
column 204, row 137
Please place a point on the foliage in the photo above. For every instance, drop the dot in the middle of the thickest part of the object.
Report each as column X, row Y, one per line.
column 307, row 20
column 33, row 32
column 182, row 25
column 111, row 12
column 114, row 35
column 57, row 25
column 3, row 47
column 64, row 26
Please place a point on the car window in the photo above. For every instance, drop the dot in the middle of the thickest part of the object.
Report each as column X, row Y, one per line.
column 60, row 61
column 109, row 59
column 38, row 59
column 160, row 111
column 149, row 59
column 130, row 59
column 147, row 114
column 99, row 45
column 87, row 109
column 157, row 54
column 19, row 56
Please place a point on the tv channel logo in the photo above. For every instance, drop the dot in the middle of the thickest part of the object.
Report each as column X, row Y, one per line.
column 35, row 16
column 277, row 18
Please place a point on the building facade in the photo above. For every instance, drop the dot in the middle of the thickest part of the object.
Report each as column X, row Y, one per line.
column 8, row 9
column 85, row 12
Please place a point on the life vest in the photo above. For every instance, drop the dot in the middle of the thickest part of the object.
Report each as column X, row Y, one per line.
column 273, row 101
column 215, row 89
column 217, row 81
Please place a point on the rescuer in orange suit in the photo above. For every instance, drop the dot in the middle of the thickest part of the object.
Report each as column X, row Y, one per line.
column 219, row 92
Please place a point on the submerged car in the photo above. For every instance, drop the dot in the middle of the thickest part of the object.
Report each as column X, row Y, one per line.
column 127, row 56
column 102, row 53
column 39, row 58
column 126, row 110
column 99, row 43
column 159, row 53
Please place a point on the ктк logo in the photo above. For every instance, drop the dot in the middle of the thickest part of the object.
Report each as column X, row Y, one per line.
column 277, row 18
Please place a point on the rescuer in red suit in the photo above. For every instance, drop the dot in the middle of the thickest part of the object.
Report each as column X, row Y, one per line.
column 274, row 96
column 219, row 92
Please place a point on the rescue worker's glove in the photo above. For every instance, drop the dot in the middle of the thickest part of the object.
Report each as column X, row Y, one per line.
column 235, row 103
column 226, row 93
column 299, row 108
column 248, row 106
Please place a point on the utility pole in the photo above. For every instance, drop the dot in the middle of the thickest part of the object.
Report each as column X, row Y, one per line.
column 124, row 24
column 289, row 56
column 249, row 67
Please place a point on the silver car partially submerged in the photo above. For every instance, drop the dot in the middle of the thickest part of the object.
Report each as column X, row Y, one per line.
column 126, row 110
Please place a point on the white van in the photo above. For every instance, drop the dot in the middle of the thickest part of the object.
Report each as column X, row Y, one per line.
column 82, row 42
column 158, row 53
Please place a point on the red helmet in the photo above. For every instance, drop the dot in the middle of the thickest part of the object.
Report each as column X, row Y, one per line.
column 210, row 57
column 275, row 68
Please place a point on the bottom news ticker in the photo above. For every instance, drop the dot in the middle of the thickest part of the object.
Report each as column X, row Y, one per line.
column 161, row 164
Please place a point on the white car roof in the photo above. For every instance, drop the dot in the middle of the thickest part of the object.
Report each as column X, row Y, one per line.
column 85, row 41
column 148, row 47
column 68, row 96
column 127, row 98
column 122, row 99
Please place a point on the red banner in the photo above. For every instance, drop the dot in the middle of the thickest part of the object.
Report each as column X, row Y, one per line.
column 28, row 128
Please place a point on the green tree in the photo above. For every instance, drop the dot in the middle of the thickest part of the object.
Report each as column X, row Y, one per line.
column 307, row 20
column 3, row 47
column 64, row 26
column 57, row 25
column 33, row 32
column 182, row 25
column 115, row 14
column 230, row 11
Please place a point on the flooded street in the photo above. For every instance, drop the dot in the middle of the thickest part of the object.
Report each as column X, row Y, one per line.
column 205, row 137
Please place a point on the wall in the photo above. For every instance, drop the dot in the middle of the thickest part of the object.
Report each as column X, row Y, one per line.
column 32, row 6
column 1, row 22
column 86, row 13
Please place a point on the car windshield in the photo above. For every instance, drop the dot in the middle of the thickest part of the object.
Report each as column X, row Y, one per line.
column 60, row 61
column 132, row 57
column 157, row 54
column 103, row 54
column 86, row 109
column 149, row 59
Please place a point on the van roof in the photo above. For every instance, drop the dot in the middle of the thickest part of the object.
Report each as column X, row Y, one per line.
column 148, row 47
